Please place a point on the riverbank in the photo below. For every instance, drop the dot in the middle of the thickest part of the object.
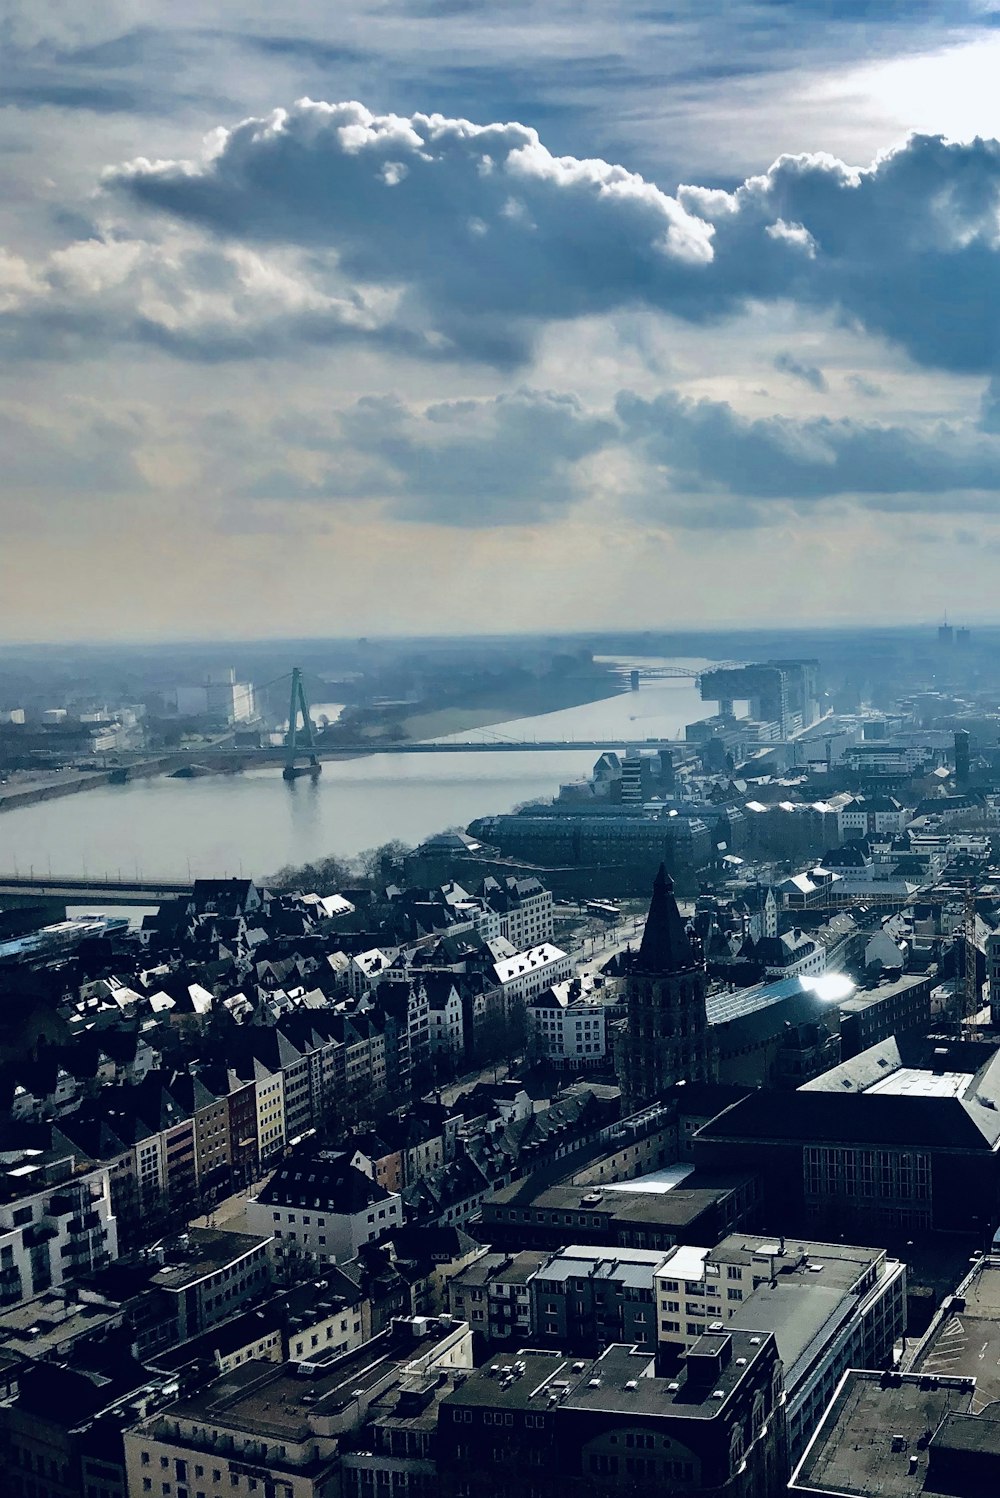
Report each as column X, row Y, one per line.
column 34, row 789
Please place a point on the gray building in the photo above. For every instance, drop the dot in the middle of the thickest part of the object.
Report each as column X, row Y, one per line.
column 584, row 1299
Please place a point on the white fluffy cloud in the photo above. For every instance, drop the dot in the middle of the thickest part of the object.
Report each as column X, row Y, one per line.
column 489, row 235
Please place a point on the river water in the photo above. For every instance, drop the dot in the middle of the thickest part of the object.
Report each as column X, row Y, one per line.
column 253, row 823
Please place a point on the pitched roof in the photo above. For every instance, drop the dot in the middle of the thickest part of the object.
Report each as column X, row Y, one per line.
column 665, row 947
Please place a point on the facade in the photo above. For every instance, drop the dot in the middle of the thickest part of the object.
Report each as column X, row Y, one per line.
column 567, row 1026
column 318, row 1203
column 493, row 1296
column 584, row 1299
column 666, row 1038
column 265, row 1428
column 56, row 1223
column 871, row 1144
column 542, row 1424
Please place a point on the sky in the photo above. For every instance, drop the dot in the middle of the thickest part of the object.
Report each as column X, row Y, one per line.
column 454, row 316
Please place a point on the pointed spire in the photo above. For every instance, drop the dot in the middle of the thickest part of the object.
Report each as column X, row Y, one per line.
column 665, row 946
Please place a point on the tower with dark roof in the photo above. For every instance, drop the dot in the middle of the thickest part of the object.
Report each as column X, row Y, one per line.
column 666, row 1036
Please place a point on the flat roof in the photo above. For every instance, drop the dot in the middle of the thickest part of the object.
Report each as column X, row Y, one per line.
column 659, row 1181
column 872, row 1430
column 620, row 1380
column 685, row 1263
column 204, row 1251
column 274, row 1400
column 800, row 1311
column 912, row 1081
column 39, row 1326
column 967, row 1341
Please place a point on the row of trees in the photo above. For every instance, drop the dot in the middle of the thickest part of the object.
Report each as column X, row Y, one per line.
column 327, row 876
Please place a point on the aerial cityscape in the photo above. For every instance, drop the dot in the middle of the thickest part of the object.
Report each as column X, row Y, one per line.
column 500, row 749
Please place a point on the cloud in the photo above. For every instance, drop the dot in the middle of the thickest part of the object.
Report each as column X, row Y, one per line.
column 187, row 297
column 705, row 447
column 863, row 386
column 474, row 464
column 809, row 374
column 488, row 235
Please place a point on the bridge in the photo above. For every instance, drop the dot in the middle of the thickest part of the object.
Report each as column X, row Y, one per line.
column 220, row 757
column 79, row 890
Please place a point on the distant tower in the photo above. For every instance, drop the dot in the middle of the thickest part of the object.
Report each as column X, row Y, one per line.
column 946, row 635
column 666, row 1037
column 297, row 736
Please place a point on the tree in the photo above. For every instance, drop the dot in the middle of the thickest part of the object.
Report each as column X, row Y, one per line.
column 326, row 877
column 376, row 864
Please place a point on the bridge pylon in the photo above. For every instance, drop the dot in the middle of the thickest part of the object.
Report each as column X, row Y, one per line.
column 305, row 736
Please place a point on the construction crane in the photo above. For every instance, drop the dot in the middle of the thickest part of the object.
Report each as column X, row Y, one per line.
column 296, row 736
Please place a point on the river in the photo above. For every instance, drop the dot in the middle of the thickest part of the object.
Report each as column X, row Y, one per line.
column 253, row 823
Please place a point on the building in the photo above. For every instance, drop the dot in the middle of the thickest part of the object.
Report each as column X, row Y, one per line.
column 567, row 1025
column 56, row 1222
column 492, row 1294
column 872, row 1145
column 666, row 1034
column 584, row 1299
column 896, row 1006
column 777, row 1034
column 546, row 1425
column 830, row 1307
column 208, row 1275
column 268, row 1428
column 671, row 1206
column 871, row 816
column 526, row 974
column 318, row 1203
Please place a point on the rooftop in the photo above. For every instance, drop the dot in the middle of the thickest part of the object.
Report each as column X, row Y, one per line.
column 873, row 1438
column 201, row 1252
column 626, row 1266
column 273, row 1400
column 967, row 1339
column 620, row 1381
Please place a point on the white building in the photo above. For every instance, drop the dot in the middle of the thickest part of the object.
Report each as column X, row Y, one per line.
column 366, row 969
column 519, row 910
column 567, row 1024
column 321, row 1205
column 55, row 1223
column 872, row 816
column 527, row 974
column 446, row 1019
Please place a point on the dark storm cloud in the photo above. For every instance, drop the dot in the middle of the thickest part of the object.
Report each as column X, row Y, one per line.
column 480, row 223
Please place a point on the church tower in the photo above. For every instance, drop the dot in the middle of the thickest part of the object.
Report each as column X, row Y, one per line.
column 666, row 1036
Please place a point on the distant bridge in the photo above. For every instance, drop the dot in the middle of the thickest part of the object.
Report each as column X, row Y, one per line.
column 78, row 891
column 276, row 754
